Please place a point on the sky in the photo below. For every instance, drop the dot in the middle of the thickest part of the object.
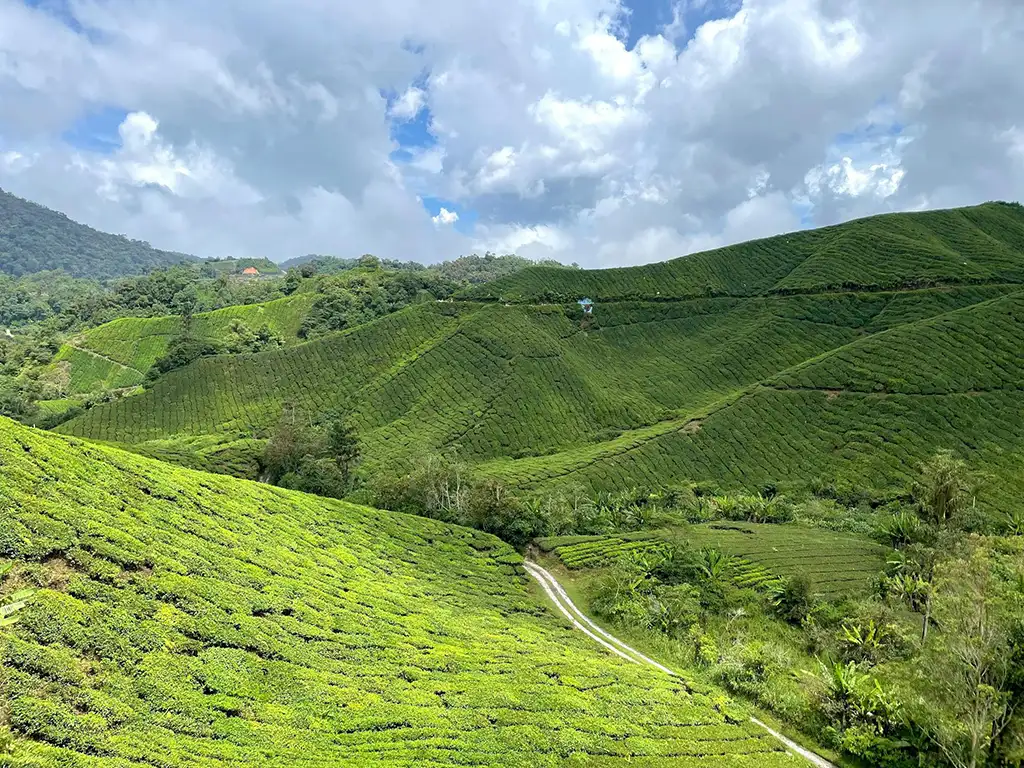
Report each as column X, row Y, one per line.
column 601, row 132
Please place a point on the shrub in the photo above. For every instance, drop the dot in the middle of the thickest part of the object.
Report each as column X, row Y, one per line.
column 182, row 350
column 793, row 598
column 902, row 528
column 754, row 509
column 945, row 490
column 705, row 649
column 748, row 668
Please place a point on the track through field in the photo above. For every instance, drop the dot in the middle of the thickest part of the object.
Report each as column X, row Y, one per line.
column 582, row 622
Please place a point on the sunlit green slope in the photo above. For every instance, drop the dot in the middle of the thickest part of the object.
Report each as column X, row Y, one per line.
column 791, row 388
column 188, row 619
column 497, row 381
column 865, row 414
column 118, row 354
column 967, row 245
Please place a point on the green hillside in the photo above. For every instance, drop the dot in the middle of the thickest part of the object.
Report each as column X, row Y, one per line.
column 967, row 245
column 187, row 619
column 34, row 239
column 796, row 388
column 118, row 353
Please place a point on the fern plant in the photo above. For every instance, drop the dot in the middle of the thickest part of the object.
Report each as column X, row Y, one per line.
column 11, row 604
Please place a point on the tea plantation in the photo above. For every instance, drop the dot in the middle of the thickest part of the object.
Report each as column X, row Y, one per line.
column 188, row 619
column 118, row 354
column 837, row 564
column 982, row 244
column 845, row 355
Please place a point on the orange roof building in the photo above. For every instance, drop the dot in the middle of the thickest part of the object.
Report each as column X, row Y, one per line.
column 251, row 272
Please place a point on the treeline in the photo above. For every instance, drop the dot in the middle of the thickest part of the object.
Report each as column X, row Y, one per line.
column 472, row 269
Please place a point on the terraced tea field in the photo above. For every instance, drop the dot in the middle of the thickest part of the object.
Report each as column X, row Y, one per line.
column 982, row 244
column 118, row 353
column 599, row 551
column 803, row 376
column 189, row 619
column 837, row 564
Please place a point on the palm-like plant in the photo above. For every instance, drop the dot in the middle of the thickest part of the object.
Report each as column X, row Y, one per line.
column 715, row 564
column 902, row 528
column 1013, row 523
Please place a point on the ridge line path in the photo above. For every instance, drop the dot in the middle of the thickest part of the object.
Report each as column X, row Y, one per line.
column 582, row 622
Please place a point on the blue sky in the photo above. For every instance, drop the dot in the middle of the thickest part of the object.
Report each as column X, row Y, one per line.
column 96, row 130
column 649, row 17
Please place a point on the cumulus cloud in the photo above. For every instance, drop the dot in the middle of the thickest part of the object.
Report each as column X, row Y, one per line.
column 445, row 217
column 255, row 128
column 409, row 104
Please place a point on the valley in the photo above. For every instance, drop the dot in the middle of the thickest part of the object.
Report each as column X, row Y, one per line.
column 375, row 513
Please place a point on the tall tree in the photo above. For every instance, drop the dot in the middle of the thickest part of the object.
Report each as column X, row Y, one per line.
column 973, row 657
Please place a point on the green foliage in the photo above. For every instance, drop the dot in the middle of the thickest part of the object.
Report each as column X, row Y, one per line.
column 356, row 297
column 442, row 487
column 183, row 349
column 185, row 618
column 34, row 239
column 945, row 490
column 312, row 455
column 974, row 688
column 243, row 339
column 756, row 508
column 793, row 598
column 903, row 528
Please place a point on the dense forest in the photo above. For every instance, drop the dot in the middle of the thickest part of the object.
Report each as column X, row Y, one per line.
column 34, row 238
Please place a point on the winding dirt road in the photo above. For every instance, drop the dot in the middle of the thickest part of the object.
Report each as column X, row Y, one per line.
column 580, row 620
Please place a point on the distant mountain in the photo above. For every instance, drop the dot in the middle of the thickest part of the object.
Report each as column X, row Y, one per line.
column 34, row 238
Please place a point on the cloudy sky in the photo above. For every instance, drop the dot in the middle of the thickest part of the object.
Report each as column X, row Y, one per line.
column 598, row 131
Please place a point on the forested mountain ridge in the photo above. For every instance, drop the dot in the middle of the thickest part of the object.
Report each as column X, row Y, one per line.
column 34, row 238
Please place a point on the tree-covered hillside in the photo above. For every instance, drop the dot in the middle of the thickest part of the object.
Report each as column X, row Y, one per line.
column 34, row 238
column 176, row 618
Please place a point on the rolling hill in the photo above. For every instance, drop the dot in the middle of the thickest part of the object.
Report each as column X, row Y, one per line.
column 842, row 356
column 188, row 619
column 118, row 354
column 982, row 244
column 34, row 238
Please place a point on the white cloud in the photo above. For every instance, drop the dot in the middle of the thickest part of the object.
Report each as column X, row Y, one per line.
column 409, row 104
column 881, row 179
column 256, row 127
column 445, row 217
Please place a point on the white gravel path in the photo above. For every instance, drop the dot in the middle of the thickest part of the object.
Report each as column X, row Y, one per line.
column 583, row 623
